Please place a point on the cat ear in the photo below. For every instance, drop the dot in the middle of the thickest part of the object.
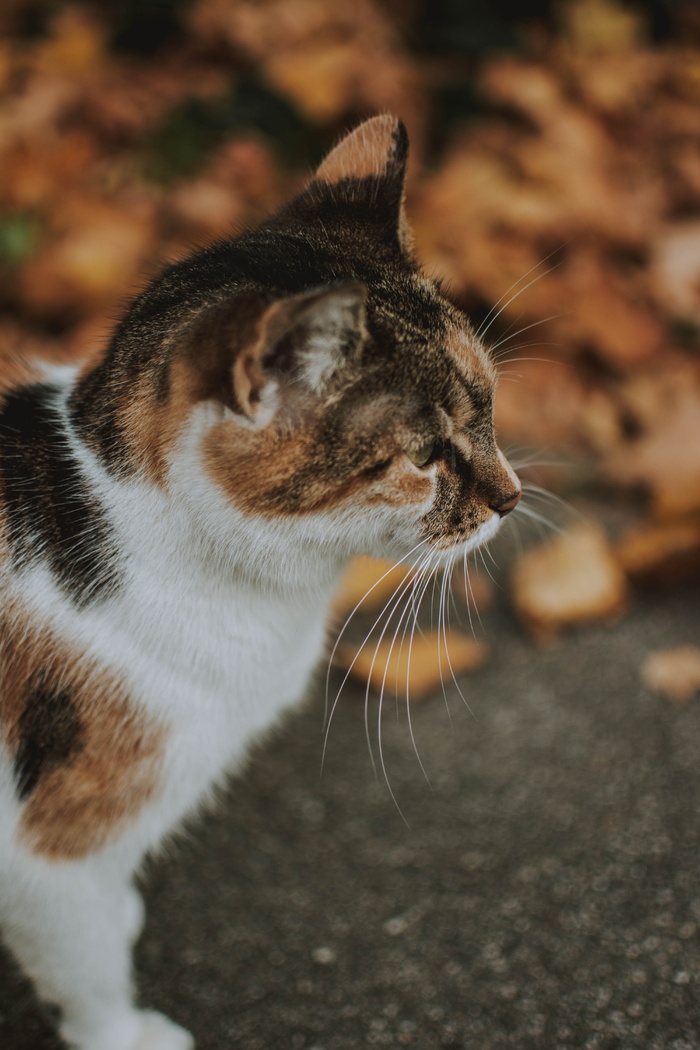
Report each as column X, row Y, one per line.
column 302, row 343
column 368, row 168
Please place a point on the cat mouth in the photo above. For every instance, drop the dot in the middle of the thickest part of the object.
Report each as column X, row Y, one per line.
column 461, row 541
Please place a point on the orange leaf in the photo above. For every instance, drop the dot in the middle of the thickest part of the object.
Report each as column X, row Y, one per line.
column 413, row 670
column 574, row 579
column 675, row 673
column 369, row 582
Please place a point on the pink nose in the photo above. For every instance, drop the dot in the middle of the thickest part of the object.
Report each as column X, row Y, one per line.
column 509, row 505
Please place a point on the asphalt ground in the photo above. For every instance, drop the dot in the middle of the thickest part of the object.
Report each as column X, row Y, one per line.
column 541, row 894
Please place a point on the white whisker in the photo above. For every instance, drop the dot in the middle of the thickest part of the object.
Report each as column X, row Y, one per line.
column 469, row 594
column 374, row 660
column 526, row 328
column 408, row 676
column 481, row 332
column 540, row 518
column 367, row 637
column 404, row 613
column 347, row 622
column 439, row 631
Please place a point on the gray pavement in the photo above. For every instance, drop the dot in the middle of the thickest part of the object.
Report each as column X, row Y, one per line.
column 545, row 895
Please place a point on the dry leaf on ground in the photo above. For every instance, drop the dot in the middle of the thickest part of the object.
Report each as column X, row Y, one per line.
column 475, row 589
column 675, row 673
column 573, row 579
column 413, row 670
column 665, row 457
column 369, row 583
column 661, row 554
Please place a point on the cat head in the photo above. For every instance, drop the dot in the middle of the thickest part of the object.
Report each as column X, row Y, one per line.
column 311, row 374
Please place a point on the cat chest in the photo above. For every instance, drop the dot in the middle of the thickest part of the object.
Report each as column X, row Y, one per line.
column 155, row 705
column 222, row 672
column 219, row 687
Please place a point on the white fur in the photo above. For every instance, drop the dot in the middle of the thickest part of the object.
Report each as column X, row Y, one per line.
column 216, row 630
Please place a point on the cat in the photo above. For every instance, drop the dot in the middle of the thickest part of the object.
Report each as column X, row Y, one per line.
column 173, row 522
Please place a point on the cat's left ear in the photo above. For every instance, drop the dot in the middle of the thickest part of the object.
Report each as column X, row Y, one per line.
column 368, row 169
column 302, row 343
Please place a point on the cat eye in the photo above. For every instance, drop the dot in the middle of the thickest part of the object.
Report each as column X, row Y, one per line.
column 420, row 456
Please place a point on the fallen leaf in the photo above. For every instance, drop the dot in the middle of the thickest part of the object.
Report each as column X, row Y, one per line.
column 368, row 583
column 665, row 457
column 674, row 673
column 321, row 79
column 663, row 553
column 94, row 258
column 602, row 25
column 474, row 588
column 542, row 404
column 676, row 269
column 415, row 669
column 573, row 579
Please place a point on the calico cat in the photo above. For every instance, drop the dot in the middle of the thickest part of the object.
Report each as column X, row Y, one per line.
column 173, row 522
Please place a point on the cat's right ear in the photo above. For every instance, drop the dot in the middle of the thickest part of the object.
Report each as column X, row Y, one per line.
column 367, row 169
column 302, row 344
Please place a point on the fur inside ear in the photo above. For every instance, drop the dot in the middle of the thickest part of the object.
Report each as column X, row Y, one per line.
column 302, row 343
column 368, row 168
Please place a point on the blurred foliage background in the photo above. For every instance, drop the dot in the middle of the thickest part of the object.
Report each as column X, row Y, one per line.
column 554, row 186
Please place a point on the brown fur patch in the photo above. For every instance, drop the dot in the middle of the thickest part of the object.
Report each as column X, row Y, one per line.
column 80, row 799
column 152, row 427
column 472, row 360
column 156, row 409
column 259, row 473
column 366, row 151
column 249, row 465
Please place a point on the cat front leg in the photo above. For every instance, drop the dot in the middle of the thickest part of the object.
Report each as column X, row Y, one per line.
column 71, row 928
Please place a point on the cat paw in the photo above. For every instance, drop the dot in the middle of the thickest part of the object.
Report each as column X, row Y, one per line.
column 158, row 1033
column 132, row 1030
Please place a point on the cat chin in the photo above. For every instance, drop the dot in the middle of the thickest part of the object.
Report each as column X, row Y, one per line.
column 446, row 557
column 485, row 532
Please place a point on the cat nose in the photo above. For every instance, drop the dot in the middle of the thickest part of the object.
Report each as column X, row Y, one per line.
column 508, row 505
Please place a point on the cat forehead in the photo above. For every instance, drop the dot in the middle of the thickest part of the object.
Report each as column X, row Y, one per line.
column 421, row 385
column 440, row 354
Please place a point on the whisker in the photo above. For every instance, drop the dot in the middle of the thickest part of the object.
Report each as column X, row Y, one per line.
column 347, row 622
column 524, row 360
column 408, row 674
column 354, row 660
column 414, row 605
column 469, row 593
column 424, row 587
column 404, row 613
column 526, row 328
column 445, row 625
column 524, row 346
column 486, row 547
column 532, row 463
column 480, row 551
column 416, row 624
column 440, row 627
column 529, row 512
column 513, row 523
column 451, row 600
column 374, row 660
column 432, row 598
column 481, row 332
column 411, row 612
column 537, row 492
